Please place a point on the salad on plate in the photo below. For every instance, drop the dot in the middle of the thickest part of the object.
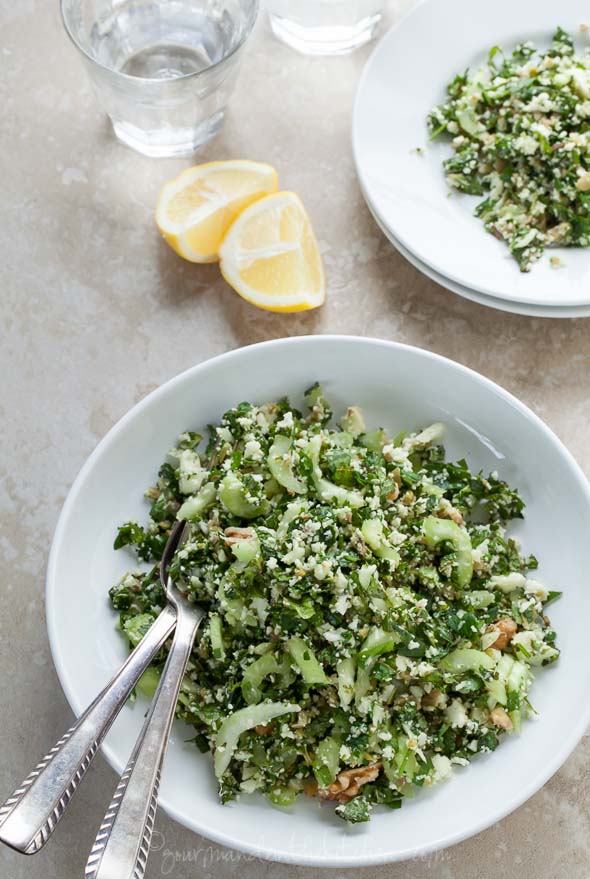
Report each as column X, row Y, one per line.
column 520, row 131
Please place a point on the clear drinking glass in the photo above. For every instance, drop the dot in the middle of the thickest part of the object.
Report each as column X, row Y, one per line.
column 162, row 70
column 325, row 27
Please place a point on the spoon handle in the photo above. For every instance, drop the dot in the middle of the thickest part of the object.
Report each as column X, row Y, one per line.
column 122, row 844
column 30, row 815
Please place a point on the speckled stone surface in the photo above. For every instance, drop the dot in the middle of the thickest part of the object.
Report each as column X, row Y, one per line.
column 97, row 311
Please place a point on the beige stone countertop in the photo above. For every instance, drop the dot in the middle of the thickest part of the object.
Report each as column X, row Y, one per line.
column 97, row 311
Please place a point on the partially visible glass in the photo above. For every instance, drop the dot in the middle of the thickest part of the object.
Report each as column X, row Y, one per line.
column 162, row 70
column 325, row 27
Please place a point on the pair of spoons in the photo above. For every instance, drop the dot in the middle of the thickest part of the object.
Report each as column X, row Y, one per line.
column 120, row 851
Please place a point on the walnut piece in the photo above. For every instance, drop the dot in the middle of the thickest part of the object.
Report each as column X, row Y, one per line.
column 348, row 784
column 263, row 729
column 310, row 787
column 506, row 629
column 500, row 718
column 432, row 700
column 234, row 535
column 448, row 511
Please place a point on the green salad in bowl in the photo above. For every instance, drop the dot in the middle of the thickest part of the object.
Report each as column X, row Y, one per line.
column 370, row 623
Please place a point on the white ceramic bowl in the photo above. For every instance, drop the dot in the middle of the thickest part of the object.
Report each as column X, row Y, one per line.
column 397, row 386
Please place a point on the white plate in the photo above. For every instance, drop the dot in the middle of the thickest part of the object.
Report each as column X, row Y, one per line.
column 397, row 386
column 405, row 77
column 474, row 296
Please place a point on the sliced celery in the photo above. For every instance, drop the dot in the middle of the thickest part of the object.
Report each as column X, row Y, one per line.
column 377, row 642
column 232, row 495
column 372, row 531
column 327, row 761
column 327, row 490
column 281, row 467
column 247, row 549
column 216, row 636
column 233, row 726
column 467, row 659
column 497, row 690
column 346, row 670
column 375, row 440
column 291, row 513
column 441, row 530
column 254, row 675
column 303, row 656
column 283, row 797
column 353, row 422
column 195, row 506
column 148, row 682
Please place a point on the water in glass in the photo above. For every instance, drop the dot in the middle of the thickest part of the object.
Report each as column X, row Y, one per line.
column 162, row 69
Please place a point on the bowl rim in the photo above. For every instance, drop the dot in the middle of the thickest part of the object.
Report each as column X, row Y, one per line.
column 560, row 754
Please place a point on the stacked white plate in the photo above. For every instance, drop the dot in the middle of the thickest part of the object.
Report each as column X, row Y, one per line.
column 401, row 173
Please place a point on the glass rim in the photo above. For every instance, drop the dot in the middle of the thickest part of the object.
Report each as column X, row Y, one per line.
column 184, row 76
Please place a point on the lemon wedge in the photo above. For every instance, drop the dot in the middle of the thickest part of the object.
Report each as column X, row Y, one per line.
column 196, row 209
column 271, row 258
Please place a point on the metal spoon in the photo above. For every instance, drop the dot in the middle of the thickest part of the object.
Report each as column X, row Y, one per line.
column 30, row 815
column 122, row 845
